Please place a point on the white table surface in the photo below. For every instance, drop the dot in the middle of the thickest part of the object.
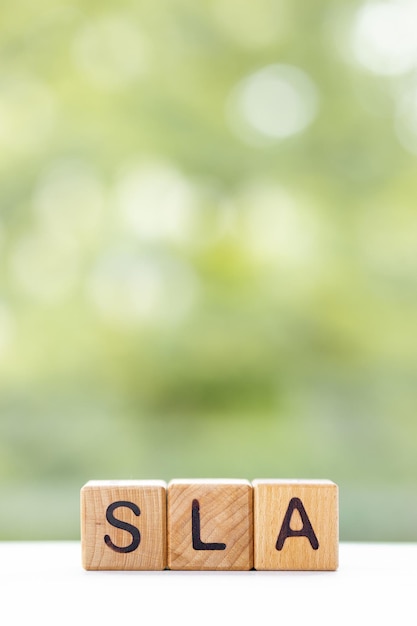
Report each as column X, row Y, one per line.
column 44, row 583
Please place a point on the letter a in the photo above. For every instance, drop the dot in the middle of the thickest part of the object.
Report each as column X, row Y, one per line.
column 306, row 530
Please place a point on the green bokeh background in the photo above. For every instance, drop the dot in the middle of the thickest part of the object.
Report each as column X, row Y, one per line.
column 183, row 295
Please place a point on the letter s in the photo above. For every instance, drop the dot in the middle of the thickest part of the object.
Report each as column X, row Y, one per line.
column 123, row 526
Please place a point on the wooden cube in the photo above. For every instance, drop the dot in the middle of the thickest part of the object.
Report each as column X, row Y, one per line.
column 296, row 525
column 123, row 525
column 210, row 525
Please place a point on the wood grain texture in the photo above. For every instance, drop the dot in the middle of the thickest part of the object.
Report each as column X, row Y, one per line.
column 143, row 521
column 277, row 520
column 225, row 515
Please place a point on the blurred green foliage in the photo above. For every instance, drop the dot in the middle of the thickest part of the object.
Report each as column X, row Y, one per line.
column 208, row 235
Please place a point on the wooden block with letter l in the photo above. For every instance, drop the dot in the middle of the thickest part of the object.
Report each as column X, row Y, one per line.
column 123, row 525
column 210, row 525
column 296, row 525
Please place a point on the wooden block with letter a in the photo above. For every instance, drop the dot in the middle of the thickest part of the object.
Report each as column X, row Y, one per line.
column 123, row 525
column 296, row 525
column 210, row 525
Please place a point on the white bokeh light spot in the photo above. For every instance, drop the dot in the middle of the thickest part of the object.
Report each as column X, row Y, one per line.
column 111, row 51
column 272, row 104
column 69, row 199
column 130, row 289
column 44, row 267
column 384, row 37
column 27, row 115
column 277, row 227
column 157, row 202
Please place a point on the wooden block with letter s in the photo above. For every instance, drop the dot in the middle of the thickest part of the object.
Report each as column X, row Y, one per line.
column 210, row 524
column 296, row 525
column 123, row 525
